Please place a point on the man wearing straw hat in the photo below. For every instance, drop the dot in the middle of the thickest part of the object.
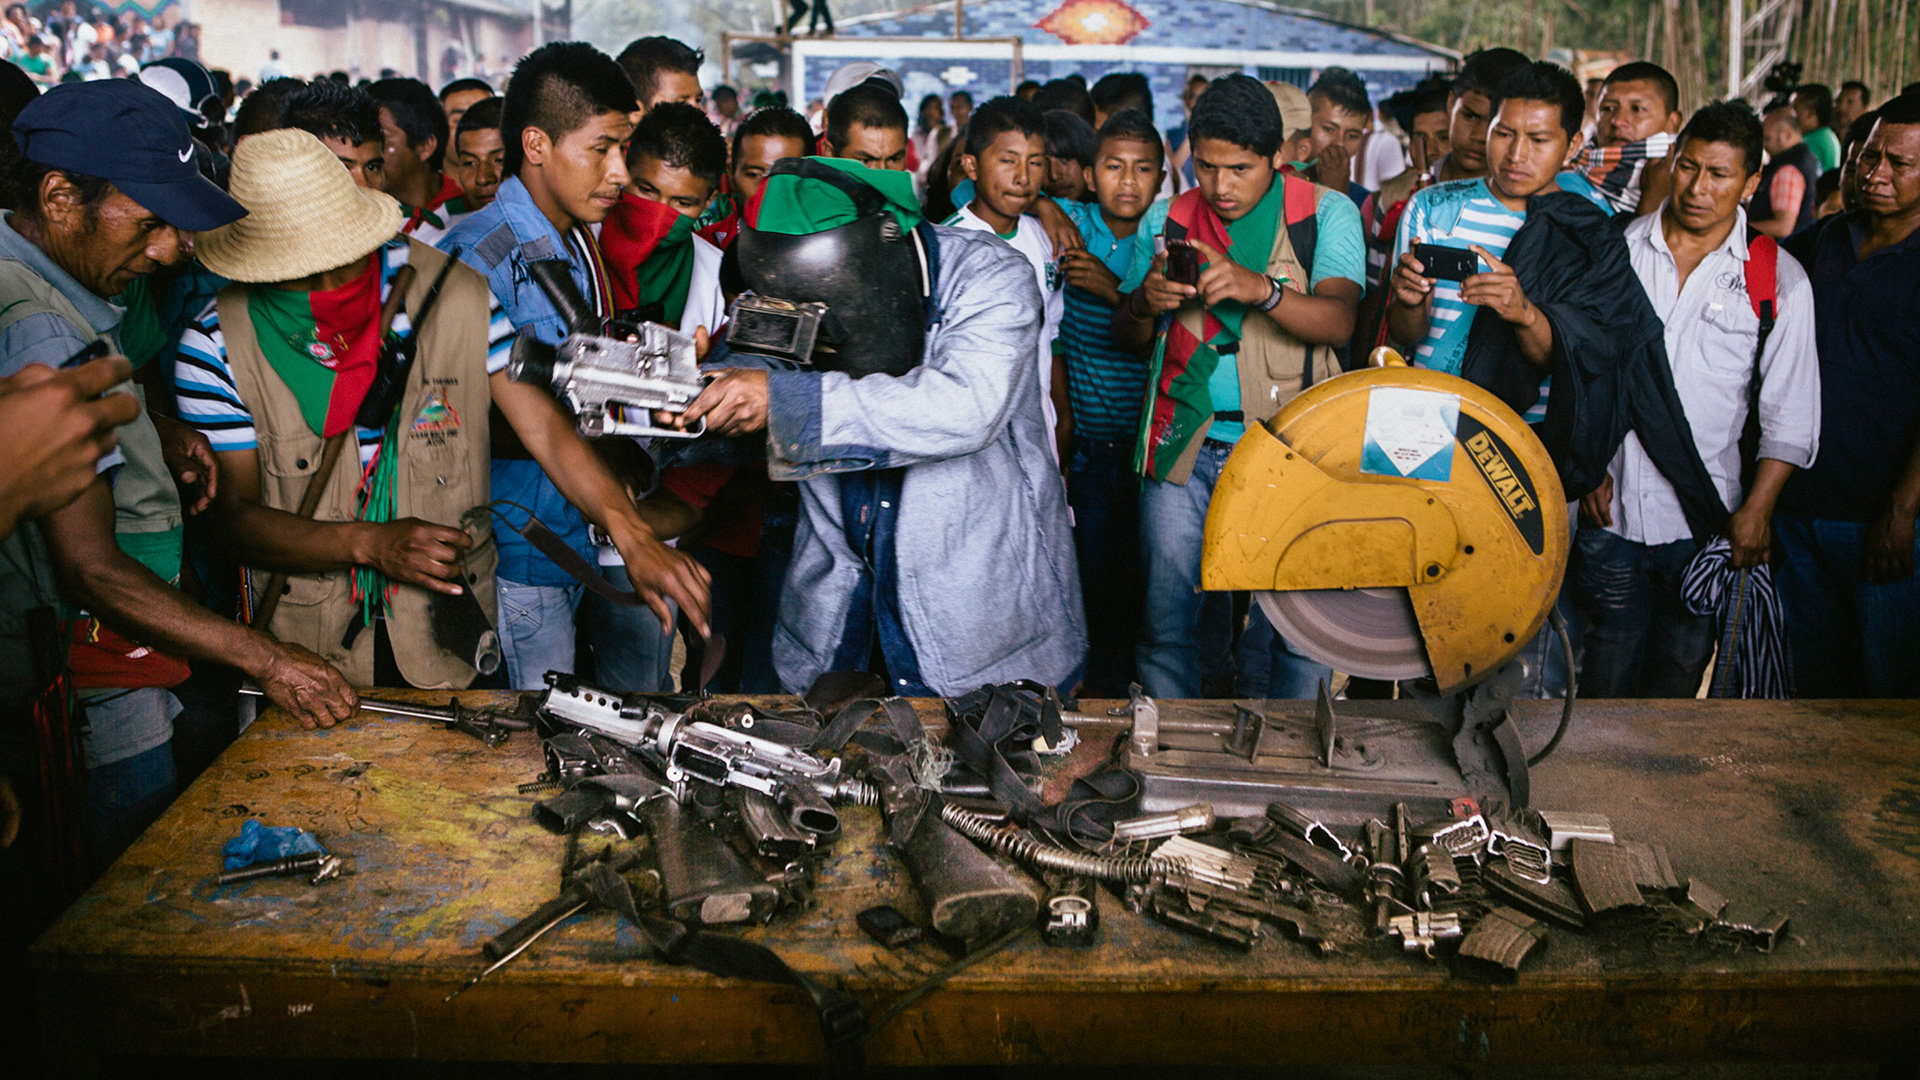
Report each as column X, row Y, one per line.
column 106, row 190
column 283, row 363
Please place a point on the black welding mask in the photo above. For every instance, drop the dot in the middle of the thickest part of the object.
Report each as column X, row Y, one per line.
column 864, row 282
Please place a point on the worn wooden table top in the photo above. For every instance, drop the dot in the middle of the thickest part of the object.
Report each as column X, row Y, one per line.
column 1811, row 807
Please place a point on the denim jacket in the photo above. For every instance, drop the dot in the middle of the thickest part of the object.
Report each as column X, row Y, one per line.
column 988, row 590
column 498, row 241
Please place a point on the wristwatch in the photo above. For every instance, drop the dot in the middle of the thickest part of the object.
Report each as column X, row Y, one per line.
column 1273, row 299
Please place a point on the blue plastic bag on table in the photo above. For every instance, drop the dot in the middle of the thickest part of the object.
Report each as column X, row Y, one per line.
column 264, row 843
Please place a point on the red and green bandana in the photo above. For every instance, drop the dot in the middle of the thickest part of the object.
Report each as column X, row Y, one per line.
column 648, row 247
column 801, row 206
column 437, row 210
column 1183, row 363
column 719, row 207
column 323, row 345
column 721, row 223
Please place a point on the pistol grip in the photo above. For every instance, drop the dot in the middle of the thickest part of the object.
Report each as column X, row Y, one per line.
column 704, row 880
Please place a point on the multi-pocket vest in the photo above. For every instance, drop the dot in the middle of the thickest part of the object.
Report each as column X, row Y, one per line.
column 442, row 477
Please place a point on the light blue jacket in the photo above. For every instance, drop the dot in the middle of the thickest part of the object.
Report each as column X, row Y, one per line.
column 988, row 587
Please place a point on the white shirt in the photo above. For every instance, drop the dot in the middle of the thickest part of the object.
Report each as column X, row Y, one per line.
column 1381, row 158
column 1030, row 239
column 706, row 304
column 1711, row 333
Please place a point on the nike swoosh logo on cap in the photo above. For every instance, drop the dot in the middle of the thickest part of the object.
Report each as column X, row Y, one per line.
column 186, row 155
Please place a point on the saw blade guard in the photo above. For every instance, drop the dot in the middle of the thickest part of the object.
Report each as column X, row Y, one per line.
column 1396, row 523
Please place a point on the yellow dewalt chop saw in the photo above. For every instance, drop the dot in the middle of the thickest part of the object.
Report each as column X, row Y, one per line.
column 1393, row 523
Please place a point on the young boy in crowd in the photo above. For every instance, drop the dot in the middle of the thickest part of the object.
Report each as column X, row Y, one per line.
column 462, row 94
column 661, row 272
column 1554, row 279
column 347, row 122
column 868, row 124
column 663, row 71
column 1636, row 122
column 567, row 113
column 1526, row 151
column 1107, row 387
column 479, row 159
column 1006, row 158
column 1118, row 91
column 1069, row 156
column 1341, row 117
column 1284, row 264
column 415, row 130
column 764, row 137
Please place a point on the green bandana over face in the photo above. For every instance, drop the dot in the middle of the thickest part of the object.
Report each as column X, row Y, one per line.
column 801, row 206
column 324, row 345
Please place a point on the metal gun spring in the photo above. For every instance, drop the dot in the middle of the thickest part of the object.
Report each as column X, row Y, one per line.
column 1021, row 847
column 856, row 792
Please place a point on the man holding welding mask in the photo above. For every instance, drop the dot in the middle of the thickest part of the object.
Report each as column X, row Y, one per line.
column 933, row 542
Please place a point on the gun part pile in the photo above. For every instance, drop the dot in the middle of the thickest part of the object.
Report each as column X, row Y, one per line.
column 742, row 804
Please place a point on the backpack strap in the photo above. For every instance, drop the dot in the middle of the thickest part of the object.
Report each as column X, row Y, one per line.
column 1762, row 272
column 1301, row 211
column 1763, row 282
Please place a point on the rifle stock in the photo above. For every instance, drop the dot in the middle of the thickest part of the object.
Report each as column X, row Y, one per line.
column 969, row 895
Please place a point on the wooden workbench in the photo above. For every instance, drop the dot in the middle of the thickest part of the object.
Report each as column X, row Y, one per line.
column 1810, row 807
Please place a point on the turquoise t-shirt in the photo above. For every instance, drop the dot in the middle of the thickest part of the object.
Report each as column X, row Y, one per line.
column 1826, row 148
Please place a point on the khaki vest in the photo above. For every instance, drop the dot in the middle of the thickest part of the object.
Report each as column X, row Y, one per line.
column 443, row 474
column 1272, row 362
column 146, row 505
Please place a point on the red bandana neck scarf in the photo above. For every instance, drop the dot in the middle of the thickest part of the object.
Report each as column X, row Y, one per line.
column 324, row 345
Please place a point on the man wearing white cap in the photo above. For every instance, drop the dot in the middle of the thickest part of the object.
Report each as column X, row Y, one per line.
column 283, row 363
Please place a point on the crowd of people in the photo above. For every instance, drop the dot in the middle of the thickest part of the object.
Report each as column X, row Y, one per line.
column 73, row 42
column 1047, row 323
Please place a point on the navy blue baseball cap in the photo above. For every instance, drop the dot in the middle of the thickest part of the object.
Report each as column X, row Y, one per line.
column 126, row 132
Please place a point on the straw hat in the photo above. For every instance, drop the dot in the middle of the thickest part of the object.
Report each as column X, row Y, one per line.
column 304, row 213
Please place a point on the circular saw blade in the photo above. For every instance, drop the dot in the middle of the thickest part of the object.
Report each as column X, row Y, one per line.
column 1366, row 632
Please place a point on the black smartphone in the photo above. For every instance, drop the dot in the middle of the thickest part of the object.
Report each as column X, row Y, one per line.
column 88, row 353
column 1447, row 263
column 1183, row 263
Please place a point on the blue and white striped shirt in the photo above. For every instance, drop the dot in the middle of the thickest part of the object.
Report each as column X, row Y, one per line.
column 1457, row 214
